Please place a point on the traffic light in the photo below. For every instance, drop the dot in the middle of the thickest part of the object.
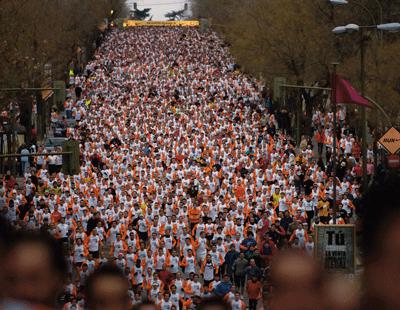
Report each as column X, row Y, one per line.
column 186, row 6
column 134, row 5
column 71, row 162
column 59, row 93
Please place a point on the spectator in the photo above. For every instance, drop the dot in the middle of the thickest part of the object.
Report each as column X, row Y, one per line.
column 24, row 158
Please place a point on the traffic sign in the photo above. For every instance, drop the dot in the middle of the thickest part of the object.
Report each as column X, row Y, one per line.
column 391, row 140
column 393, row 161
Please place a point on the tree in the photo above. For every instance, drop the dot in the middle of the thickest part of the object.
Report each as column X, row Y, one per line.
column 294, row 39
column 38, row 33
column 175, row 15
column 140, row 14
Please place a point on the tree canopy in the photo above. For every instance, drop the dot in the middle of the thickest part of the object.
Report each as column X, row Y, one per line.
column 140, row 14
column 35, row 33
column 41, row 40
column 294, row 39
column 175, row 15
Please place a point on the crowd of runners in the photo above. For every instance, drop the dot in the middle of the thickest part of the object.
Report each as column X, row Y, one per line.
column 188, row 183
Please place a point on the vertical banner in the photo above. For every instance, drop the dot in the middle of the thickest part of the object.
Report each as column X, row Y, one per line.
column 335, row 247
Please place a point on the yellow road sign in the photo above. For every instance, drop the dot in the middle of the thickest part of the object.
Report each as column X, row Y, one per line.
column 173, row 23
column 391, row 140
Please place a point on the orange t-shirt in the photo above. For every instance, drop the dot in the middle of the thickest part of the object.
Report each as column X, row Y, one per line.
column 240, row 191
column 254, row 289
column 194, row 215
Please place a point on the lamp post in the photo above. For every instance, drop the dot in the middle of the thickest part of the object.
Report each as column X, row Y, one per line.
column 334, row 155
column 390, row 27
column 13, row 136
column 364, row 145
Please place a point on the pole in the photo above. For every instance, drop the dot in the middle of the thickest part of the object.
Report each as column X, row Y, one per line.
column 1, row 152
column 304, row 87
column 334, row 152
column 379, row 107
column 298, row 116
column 13, row 139
column 375, row 150
column 34, row 154
column 27, row 88
column 363, row 112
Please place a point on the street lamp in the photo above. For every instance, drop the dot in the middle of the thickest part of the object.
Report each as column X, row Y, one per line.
column 339, row 30
column 390, row 27
column 338, row 2
column 344, row 2
column 350, row 28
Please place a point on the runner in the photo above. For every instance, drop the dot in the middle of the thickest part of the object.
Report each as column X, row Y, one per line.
column 182, row 167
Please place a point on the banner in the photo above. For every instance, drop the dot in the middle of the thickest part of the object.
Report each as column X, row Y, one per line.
column 335, row 247
column 169, row 23
column 345, row 93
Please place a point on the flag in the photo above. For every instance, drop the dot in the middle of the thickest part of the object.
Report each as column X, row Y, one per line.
column 345, row 93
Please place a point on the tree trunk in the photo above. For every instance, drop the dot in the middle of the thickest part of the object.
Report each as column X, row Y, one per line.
column 41, row 116
column 25, row 102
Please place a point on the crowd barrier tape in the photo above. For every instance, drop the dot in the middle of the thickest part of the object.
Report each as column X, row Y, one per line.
column 169, row 23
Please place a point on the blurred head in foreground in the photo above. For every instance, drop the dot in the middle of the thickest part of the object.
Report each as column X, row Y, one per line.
column 299, row 283
column 33, row 269
column 381, row 245
column 145, row 305
column 107, row 289
column 340, row 293
column 213, row 303
column 4, row 238
column 297, row 280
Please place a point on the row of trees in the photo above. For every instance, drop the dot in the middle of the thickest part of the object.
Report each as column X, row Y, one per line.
column 144, row 14
column 38, row 32
column 294, row 39
column 41, row 39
